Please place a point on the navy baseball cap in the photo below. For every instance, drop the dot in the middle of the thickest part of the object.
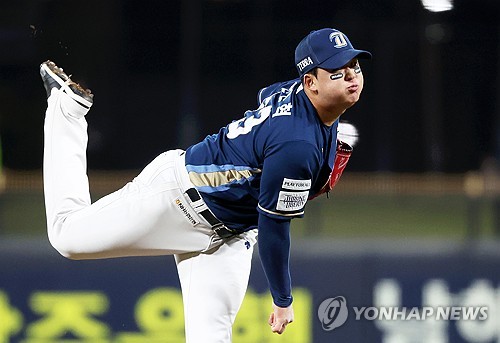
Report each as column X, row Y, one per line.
column 325, row 48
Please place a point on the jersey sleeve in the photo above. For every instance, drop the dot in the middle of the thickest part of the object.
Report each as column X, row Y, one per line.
column 287, row 178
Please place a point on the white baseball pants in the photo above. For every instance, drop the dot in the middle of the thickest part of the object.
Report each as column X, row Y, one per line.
column 143, row 218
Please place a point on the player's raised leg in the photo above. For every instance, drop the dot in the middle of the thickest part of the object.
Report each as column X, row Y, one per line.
column 213, row 287
column 139, row 219
column 66, row 187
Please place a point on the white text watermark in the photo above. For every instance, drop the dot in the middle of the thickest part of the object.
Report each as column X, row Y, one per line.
column 333, row 313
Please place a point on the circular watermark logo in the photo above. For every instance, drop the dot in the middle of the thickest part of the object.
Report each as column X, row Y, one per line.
column 332, row 313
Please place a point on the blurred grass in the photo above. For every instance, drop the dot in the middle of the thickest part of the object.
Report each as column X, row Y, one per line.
column 394, row 215
column 22, row 214
column 340, row 215
column 370, row 205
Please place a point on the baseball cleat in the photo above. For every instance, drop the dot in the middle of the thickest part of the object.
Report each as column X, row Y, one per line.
column 55, row 77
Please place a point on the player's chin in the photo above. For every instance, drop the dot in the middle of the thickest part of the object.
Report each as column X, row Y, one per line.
column 352, row 100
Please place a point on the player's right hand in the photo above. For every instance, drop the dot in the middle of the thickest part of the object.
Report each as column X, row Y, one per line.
column 280, row 318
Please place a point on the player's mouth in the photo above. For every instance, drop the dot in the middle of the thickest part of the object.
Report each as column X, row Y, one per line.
column 353, row 88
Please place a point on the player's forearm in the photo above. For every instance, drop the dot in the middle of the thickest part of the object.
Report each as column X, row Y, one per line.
column 274, row 251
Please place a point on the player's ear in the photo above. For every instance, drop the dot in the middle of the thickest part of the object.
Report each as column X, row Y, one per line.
column 309, row 81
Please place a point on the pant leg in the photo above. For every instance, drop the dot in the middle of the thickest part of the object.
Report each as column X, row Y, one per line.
column 66, row 187
column 213, row 287
column 140, row 219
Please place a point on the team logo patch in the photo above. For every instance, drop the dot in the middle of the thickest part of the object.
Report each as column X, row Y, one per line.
column 185, row 211
column 339, row 39
column 296, row 185
column 291, row 201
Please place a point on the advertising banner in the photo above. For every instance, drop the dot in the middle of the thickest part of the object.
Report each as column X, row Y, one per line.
column 387, row 297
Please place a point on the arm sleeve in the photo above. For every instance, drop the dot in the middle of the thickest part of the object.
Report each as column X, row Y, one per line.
column 274, row 252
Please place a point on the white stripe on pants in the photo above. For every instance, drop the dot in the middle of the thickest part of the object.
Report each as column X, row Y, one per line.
column 142, row 218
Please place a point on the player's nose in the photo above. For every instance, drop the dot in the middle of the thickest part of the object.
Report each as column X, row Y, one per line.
column 349, row 74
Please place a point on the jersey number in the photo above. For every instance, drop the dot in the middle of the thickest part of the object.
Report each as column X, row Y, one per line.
column 246, row 124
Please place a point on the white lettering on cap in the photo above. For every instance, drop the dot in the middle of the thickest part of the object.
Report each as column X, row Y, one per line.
column 304, row 63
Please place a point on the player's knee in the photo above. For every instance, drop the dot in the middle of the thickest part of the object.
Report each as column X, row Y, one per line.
column 65, row 251
column 67, row 248
column 59, row 232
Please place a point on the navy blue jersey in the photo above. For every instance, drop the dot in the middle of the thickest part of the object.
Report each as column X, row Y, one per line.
column 269, row 162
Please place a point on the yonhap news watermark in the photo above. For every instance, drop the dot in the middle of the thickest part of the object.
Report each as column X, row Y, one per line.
column 334, row 312
column 422, row 313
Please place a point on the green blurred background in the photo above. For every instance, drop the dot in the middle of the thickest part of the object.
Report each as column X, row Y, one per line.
column 372, row 206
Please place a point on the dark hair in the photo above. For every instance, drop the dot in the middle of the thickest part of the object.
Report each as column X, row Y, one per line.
column 313, row 71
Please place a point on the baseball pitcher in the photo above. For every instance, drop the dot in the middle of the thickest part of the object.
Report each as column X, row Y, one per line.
column 207, row 204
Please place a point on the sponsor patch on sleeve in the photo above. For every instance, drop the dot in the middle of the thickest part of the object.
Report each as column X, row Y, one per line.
column 296, row 185
column 291, row 201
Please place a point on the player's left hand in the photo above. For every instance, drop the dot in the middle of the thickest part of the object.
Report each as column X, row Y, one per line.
column 280, row 318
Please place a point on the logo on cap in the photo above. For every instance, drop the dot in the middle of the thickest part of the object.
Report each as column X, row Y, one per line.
column 339, row 39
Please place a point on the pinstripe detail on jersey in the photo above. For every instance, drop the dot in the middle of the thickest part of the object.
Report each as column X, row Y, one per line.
column 213, row 178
